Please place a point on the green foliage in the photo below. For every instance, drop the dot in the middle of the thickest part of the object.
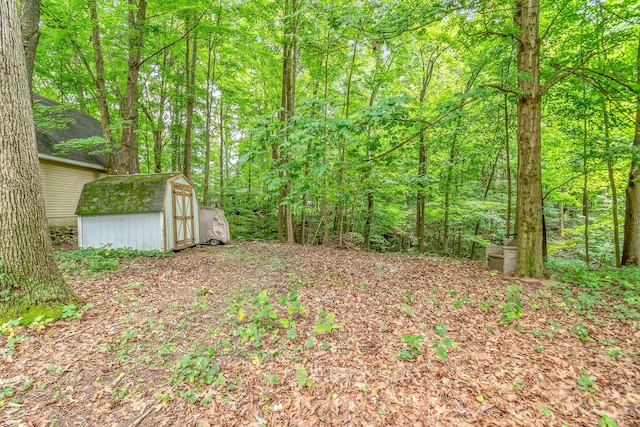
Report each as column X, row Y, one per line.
column 513, row 309
column 605, row 421
column 96, row 260
column 623, row 283
column 196, row 370
column 325, row 323
column 263, row 316
column 585, row 383
column 71, row 311
column 545, row 411
column 442, row 344
column 414, row 349
column 580, row 330
column 303, row 379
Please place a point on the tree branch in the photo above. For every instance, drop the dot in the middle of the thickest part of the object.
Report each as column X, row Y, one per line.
column 501, row 88
column 422, row 130
column 610, row 77
column 553, row 21
column 182, row 37
column 565, row 73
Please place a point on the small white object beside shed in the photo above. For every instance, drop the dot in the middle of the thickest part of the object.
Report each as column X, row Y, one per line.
column 141, row 211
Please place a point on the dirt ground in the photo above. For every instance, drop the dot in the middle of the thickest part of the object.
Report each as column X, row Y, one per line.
column 376, row 340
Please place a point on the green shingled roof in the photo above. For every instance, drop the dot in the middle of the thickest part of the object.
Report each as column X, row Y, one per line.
column 124, row 194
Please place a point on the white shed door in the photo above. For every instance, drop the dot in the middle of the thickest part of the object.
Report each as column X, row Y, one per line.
column 183, row 226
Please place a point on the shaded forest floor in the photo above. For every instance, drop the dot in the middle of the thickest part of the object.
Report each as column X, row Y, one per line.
column 360, row 339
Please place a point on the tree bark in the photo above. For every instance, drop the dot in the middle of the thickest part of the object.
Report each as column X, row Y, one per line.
column 128, row 154
column 211, row 74
column 529, row 188
column 30, row 27
column 508, row 164
column 221, row 159
column 190, row 66
column 101, row 91
column 585, row 191
column 614, row 190
column 28, row 271
column 342, row 147
column 631, row 242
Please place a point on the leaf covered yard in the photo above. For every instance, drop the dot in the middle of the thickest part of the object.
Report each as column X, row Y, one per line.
column 272, row 334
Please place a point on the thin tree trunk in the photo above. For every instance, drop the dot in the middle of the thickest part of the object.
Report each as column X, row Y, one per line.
column 614, row 190
column 631, row 243
column 211, row 72
column 29, row 274
column 585, row 192
column 221, row 161
column 325, row 210
column 291, row 99
column 128, row 155
column 529, row 188
column 486, row 193
column 158, row 132
column 101, row 91
column 342, row 146
column 508, row 164
column 190, row 65
column 427, row 74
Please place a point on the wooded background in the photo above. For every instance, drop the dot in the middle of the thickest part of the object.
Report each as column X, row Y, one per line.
column 388, row 124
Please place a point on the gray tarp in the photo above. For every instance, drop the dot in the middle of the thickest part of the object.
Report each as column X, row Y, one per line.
column 214, row 227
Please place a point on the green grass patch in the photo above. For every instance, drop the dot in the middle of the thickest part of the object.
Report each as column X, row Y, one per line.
column 623, row 282
column 96, row 260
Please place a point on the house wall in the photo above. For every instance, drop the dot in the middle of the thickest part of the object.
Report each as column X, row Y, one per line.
column 62, row 185
column 141, row 231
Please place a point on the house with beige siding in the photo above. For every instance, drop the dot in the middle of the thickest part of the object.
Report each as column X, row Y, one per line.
column 64, row 174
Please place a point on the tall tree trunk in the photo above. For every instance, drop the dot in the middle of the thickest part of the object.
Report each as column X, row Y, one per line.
column 190, row 65
column 585, row 188
column 508, row 164
column 287, row 106
column 128, row 155
column 631, row 243
column 101, row 90
column 221, row 160
column 529, row 188
column 447, row 188
column 420, row 202
column 366, row 245
column 291, row 99
column 427, row 74
column 325, row 209
column 342, row 146
column 30, row 27
column 158, row 132
column 28, row 271
column 614, row 190
column 211, row 74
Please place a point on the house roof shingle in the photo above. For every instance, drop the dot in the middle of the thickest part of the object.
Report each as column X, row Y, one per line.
column 79, row 127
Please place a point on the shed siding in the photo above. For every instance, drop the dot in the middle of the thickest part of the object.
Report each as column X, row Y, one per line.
column 141, row 231
column 170, row 243
column 62, row 185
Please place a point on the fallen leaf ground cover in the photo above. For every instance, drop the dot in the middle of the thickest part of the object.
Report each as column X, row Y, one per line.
column 271, row 334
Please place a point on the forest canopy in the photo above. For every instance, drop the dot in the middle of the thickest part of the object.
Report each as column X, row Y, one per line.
column 391, row 125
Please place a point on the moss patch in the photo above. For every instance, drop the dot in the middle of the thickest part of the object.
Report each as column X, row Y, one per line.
column 53, row 311
column 47, row 312
column 124, row 194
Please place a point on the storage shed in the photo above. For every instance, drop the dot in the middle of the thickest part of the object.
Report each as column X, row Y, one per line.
column 142, row 211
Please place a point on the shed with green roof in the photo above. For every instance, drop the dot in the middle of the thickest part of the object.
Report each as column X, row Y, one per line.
column 141, row 211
